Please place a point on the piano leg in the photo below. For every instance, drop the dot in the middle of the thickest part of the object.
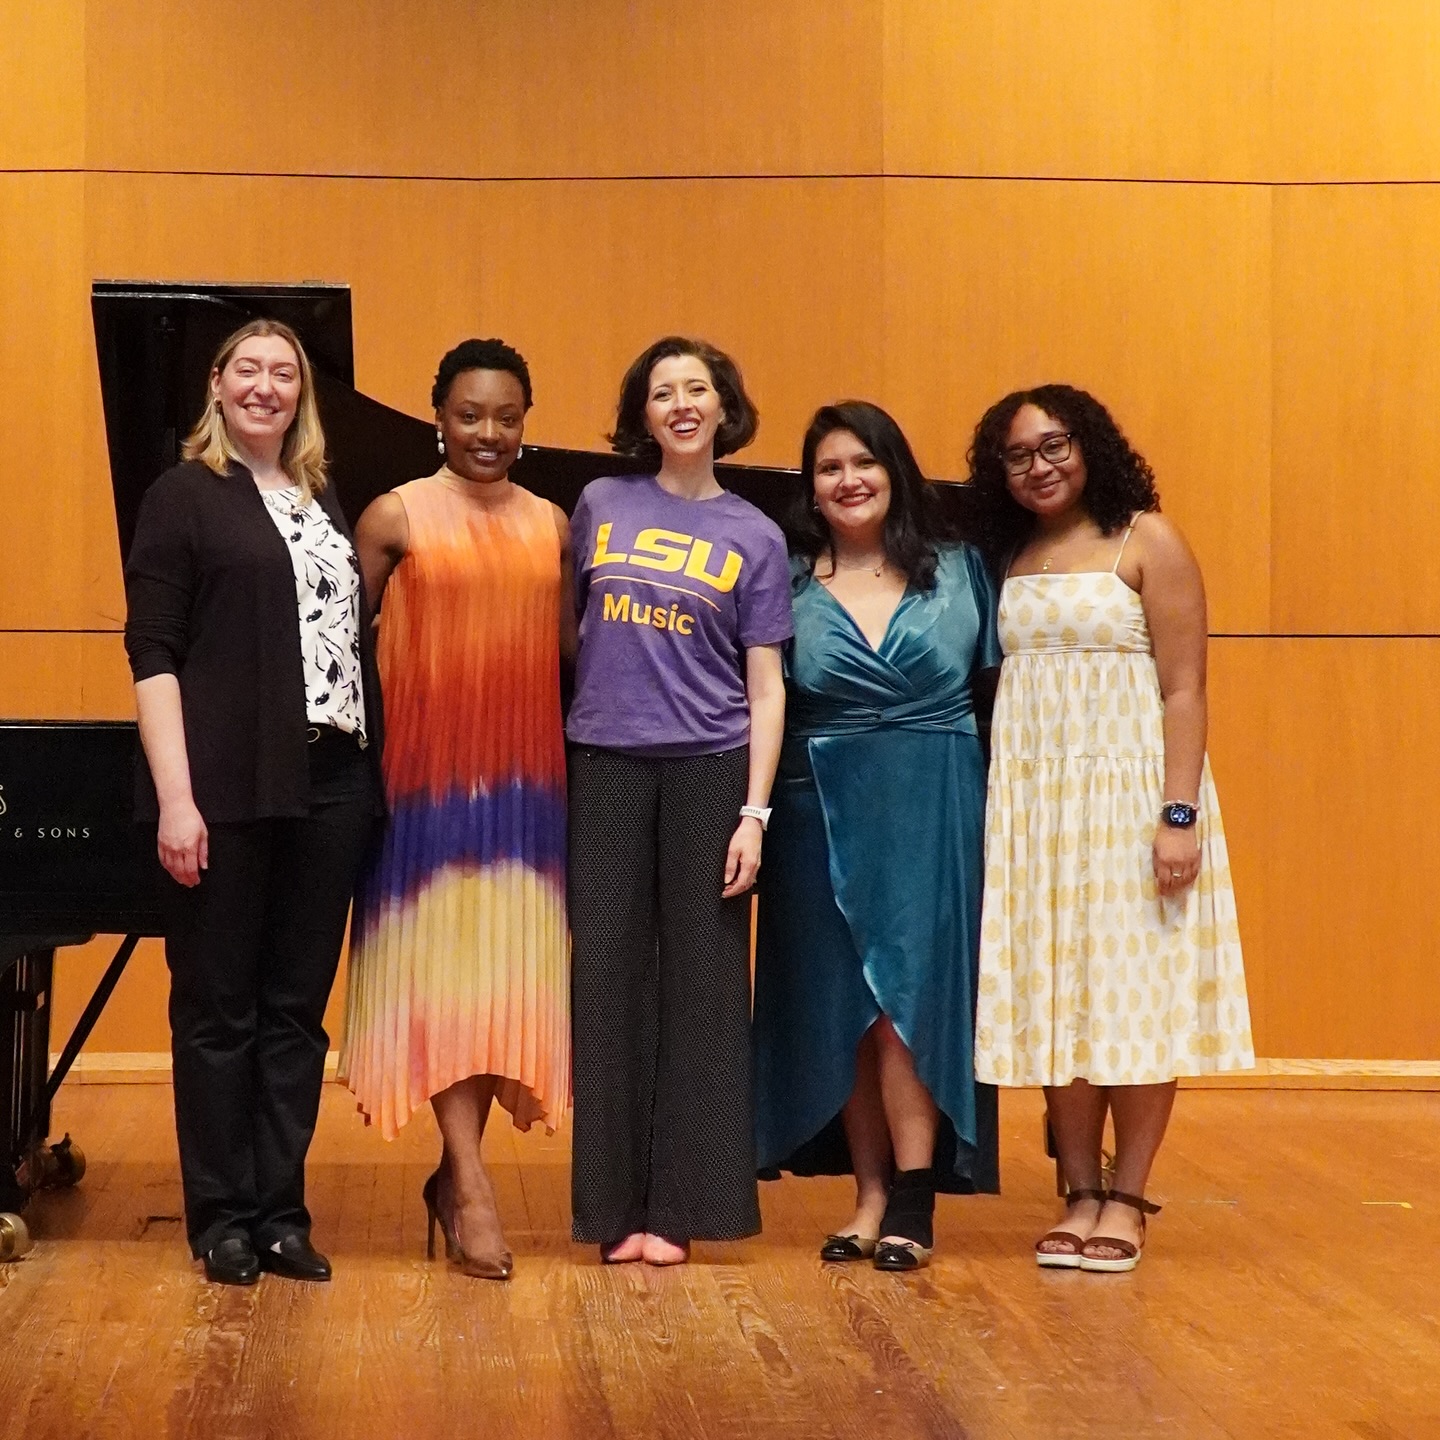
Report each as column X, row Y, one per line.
column 24, row 1056
column 28, row 1086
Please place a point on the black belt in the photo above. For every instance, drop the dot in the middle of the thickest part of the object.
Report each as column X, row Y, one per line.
column 330, row 735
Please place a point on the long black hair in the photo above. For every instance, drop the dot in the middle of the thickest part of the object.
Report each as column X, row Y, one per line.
column 1118, row 479
column 913, row 529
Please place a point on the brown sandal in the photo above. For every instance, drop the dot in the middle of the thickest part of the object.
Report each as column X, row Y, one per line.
column 1129, row 1256
column 1069, row 1258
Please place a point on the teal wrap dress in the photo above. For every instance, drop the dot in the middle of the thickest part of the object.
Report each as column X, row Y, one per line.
column 870, row 890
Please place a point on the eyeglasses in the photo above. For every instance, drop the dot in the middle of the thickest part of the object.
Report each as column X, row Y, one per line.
column 1053, row 449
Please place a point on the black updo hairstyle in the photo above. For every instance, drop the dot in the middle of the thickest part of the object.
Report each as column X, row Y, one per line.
column 480, row 355
column 1118, row 480
column 741, row 419
column 913, row 528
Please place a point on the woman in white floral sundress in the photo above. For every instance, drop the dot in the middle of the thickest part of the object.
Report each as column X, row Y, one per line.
column 1110, row 955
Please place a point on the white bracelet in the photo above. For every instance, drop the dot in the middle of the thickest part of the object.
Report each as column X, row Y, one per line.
column 756, row 812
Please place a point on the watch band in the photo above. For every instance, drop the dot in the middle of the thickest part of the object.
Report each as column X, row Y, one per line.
column 757, row 812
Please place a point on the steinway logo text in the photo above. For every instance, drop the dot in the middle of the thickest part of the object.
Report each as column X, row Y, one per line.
column 48, row 833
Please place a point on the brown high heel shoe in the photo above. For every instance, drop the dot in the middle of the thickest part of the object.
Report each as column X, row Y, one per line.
column 495, row 1265
column 431, row 1195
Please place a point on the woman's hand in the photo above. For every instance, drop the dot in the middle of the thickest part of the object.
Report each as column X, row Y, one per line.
column 742, row 861
column 184, row 842
column 1176, row 858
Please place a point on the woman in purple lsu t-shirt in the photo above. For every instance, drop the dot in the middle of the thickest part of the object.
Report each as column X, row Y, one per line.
column 684, row 598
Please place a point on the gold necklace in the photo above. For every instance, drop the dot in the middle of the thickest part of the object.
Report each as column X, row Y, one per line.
column 875, row 570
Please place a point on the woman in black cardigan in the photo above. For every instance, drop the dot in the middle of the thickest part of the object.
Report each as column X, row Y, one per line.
column 250, row 644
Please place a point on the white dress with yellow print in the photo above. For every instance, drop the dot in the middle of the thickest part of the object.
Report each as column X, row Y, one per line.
column 1085, row 971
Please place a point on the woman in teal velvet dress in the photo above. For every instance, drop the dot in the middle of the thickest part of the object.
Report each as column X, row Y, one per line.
column 869, row 918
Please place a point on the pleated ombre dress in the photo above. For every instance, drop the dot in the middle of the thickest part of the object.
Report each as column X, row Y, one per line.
column 459, row 959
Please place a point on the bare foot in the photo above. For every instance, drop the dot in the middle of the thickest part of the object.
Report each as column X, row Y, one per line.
column 660, row 1251
column 1081, row 1217
column 622, row 1252
column 865, row 1223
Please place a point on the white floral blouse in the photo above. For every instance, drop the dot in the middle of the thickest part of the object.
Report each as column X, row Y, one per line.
column 327, row 587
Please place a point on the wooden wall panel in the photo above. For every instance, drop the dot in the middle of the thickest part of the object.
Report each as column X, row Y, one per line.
column 784, row 273
column 42, row 675
column 42, row 84
column 511, row 87
column 136, row 1018
column 1356, row 483
column 1357, row 88
column 1156, row 298
column 43, row 302
column 1321, row 748
column 1133, row 89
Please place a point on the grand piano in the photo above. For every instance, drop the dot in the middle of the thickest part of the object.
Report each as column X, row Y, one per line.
column 72, row 863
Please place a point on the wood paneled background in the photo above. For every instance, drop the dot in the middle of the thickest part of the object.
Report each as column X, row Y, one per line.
column 1191, row 210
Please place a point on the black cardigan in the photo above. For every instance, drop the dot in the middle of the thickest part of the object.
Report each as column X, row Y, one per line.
column 211, row 599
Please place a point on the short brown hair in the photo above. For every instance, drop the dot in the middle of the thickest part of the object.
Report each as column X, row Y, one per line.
column 632, row 437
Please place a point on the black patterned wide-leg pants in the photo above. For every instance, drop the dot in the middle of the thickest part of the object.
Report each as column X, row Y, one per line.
column 664, row 1129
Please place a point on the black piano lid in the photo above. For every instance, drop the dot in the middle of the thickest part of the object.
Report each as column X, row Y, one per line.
column 155, row 342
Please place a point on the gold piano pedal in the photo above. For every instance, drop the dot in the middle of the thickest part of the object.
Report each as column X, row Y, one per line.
column 14, row 1238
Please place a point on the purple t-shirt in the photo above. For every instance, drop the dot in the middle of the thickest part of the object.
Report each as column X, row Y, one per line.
column 671, row 593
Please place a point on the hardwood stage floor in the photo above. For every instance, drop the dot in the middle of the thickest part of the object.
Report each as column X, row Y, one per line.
column 1292, row 1289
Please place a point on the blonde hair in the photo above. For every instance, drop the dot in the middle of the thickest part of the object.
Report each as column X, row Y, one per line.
column 302, row 453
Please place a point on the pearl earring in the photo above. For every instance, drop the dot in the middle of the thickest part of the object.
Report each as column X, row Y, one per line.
column 519, row 451
column 440, row 442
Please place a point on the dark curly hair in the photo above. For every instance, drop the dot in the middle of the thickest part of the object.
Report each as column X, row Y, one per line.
column 912, row 525
column 741, row 419
column 1118, row 480
column 480, row 355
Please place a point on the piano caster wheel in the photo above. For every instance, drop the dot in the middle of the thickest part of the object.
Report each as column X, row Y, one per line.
column 14, row 1238
column 55, row 1167
column 67, row 1165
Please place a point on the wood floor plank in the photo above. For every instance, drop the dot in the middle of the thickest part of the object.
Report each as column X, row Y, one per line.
column 1273, row 1302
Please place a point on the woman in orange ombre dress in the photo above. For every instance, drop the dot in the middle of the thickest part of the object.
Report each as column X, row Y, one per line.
column 459, row 970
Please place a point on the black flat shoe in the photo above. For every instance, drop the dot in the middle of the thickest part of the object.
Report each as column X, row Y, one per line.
column 908, row 1229
column 232, row 1262
column 906, row 1256
column 296, row 1259
column 839, row 1249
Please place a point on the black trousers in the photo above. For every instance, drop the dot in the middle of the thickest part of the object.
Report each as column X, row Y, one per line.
column 252, row 952
column 664, row 1128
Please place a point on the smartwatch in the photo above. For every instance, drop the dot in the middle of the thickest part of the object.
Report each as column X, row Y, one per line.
column 757, row 812
column 1178, row 814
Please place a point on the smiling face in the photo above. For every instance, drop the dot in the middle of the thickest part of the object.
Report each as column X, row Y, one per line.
column 482, row 423
column 258, row 392
column 1049, row 487
column 852, row 488
column 683, row 409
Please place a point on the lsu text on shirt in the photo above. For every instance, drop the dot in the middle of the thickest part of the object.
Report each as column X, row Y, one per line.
column 671, row 593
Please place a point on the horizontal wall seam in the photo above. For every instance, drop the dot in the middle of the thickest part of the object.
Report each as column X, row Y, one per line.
column 536, row 179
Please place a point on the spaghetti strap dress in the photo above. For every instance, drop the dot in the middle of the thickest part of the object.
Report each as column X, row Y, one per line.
column 459, row 961
column 1086, row 972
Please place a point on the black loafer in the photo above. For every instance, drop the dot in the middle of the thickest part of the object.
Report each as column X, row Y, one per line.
column 296, row 1259
column 232, row 1262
